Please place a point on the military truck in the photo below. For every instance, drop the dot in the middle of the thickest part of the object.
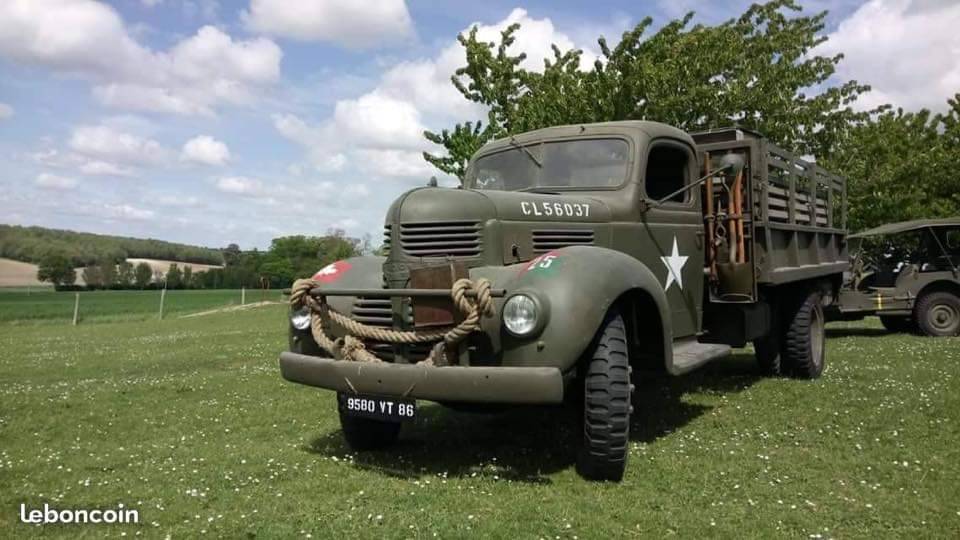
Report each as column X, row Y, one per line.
column 907, row 274
column 606, row 250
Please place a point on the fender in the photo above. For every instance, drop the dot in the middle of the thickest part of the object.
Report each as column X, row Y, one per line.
column 578, row 284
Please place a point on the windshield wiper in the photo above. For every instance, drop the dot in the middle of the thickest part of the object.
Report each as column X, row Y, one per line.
column 526, row 151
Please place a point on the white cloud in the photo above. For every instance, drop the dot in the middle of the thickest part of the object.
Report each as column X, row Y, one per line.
column 382, row 131
column 103, row 168
column 53, row 181
column 107, row 143
column 6, row 111
column 240, row 185
column 908, row 51
column 356, row 25
column 89, row 39
column 126, row 212
column 379, row 121
column 205, row 149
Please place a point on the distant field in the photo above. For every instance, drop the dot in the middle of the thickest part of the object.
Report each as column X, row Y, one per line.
column 47, row 306
column 21, row 274
column 18, row 274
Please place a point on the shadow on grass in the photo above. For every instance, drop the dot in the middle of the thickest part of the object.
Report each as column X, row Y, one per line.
column 527, row 443
column 858, row 332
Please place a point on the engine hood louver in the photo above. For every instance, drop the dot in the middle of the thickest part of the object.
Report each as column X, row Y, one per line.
column 545, row 240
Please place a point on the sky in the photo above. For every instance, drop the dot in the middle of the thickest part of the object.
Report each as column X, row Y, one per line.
column 213, row 121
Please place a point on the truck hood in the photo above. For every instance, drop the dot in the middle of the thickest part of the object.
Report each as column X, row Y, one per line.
column 448, row 204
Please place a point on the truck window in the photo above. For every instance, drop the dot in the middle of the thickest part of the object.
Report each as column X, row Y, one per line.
column 666, row 172
column 953, row 240
column 579, row 163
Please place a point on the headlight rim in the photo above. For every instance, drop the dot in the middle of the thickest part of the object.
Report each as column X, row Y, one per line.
column 300, row 314
column 541, row 310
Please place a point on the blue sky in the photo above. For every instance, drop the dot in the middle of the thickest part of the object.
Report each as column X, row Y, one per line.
column 212, row 122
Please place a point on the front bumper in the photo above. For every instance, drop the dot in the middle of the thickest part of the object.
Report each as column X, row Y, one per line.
column 527, row 385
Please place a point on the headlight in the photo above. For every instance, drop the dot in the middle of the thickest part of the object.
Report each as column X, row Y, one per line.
column 520, row 313
column 300, row 319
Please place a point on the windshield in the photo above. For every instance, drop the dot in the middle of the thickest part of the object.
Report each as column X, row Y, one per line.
column 585, row 163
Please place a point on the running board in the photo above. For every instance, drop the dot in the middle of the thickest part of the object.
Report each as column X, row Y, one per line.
column 689, row 354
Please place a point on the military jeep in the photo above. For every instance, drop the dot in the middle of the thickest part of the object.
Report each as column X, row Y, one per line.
column 604, row 251
column 907, row 274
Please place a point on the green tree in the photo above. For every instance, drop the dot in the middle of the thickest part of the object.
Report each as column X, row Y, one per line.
column 56, row 269
column 756, row 71
column 92, row 276
column 108, row 273
column 174, row 278
column 187, row 277
column 900, row 166
column 124, row 274
column 142, row 275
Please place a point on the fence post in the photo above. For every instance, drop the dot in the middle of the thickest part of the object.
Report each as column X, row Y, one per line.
column 243, row 296
column 163, row 294
column 76, row 308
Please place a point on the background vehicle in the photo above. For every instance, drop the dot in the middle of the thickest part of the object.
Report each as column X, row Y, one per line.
column 607, row 256
column 907, row 274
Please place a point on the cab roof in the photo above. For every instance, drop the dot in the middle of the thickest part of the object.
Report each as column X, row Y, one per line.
column 904, row 226
column 650, row 129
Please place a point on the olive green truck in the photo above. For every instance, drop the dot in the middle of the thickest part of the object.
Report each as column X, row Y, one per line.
column 573, row 260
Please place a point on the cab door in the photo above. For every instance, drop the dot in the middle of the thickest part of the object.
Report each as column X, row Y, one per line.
column 672, row 235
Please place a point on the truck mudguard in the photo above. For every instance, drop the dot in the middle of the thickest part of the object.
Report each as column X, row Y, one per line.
column 576, row 285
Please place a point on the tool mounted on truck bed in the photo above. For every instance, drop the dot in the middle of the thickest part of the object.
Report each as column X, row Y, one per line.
column 574, row 259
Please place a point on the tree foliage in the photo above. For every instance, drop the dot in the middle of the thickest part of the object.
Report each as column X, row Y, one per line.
column 32, row 244
column 901, row 165
column 755, row 71
column 56, row 269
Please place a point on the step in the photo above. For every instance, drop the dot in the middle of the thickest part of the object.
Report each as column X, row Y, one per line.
column 689, row 354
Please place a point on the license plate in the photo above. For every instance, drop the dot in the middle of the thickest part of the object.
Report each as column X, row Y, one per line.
column 378, row 408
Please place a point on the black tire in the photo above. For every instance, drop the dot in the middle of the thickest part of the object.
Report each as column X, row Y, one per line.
column 896, row 324
column 804, row 343
column 368, row 434
column 606, row 404
column 938, row 314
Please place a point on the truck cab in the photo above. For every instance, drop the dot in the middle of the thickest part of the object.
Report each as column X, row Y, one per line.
column 572, row 260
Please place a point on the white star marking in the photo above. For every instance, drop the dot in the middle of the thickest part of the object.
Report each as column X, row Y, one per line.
column 328, row 270
column 674, row 264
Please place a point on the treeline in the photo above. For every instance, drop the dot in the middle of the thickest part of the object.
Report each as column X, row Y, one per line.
column 289, row 258
column 34, row 244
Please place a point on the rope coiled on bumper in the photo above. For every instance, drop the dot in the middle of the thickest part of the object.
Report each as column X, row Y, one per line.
column 352, row 347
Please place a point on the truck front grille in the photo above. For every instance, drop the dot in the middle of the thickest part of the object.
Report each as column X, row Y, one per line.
column 457, row 239
column 385, row 248
column 545, row 240
column 379, row 312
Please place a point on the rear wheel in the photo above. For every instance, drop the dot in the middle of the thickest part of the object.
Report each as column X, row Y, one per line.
column 606, row 404
column 938, row 314
column 803, row 341
column 896, row 324
column 368, row 434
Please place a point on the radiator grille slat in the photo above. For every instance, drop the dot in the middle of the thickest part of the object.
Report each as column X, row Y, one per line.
column 549, row 239
column 459, row 239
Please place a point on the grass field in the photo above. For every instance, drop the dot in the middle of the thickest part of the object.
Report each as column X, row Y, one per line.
column 18, row 306
column 188, row 421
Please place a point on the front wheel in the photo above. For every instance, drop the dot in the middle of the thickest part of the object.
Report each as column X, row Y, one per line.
column 368, row 434
column 804, row 352
column 606, row 404
column 938, row 314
